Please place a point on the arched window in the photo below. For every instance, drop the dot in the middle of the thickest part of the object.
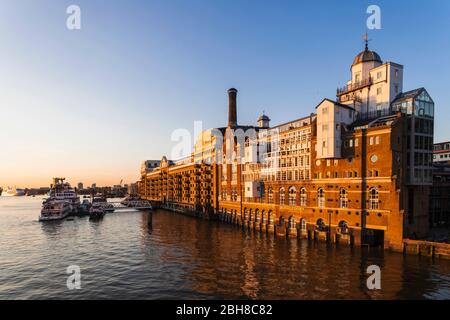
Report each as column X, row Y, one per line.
column 303, row 197
column 270, row 195
column 321, row 198
column 320, row 225
column 270, row 217
column 257, row 216
column 292, row 196
column 263, row 217
column 303, row 224
column 373, row 199
column 282, row 196
column 343, row 198
column 343, row 227
column 291, row 222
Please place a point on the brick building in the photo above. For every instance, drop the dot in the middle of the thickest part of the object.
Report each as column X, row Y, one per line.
column 358, row 170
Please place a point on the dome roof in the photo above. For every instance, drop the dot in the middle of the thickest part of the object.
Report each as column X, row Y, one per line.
column 366, row 56
column 263, row 117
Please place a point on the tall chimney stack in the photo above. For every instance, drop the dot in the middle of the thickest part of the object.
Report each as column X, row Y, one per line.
column 232, row 116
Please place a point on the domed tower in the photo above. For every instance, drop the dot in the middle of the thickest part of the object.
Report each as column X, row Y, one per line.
column 363, row 63
column 373, row 84
column 264, row 121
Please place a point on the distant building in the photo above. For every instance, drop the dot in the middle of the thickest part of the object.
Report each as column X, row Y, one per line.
column 150, row 165
column 441, row 153
column 80, row 186
column 94, row 185
column 133, row 189
column 440, row 192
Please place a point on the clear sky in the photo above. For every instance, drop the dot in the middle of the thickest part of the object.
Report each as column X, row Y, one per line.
column 91, row 104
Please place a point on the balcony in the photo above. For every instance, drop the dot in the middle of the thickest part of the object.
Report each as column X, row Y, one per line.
column 352, row 97
column 354, row 86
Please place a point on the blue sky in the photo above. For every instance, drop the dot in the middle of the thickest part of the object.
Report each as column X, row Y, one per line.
column 92, row 104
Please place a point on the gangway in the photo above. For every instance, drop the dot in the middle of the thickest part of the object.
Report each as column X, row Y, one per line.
column 133, row 204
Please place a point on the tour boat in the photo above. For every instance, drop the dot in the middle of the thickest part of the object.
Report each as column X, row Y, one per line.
column 55, row 210
column 97, row 211
column 61, row 190
column 13, row 192
column 101, row 201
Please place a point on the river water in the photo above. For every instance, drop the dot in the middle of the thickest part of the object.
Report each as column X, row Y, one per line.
column 164, row 255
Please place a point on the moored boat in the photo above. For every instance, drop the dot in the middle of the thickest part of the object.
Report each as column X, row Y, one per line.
column 61, row 190
column 13, row 192
column 97, row 211
column 101, row 201
column 55, row 210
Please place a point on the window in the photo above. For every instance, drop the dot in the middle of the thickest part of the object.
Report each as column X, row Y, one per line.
column 321, row 198
column 325, row 111
column 343, row 227
column 343, row 198
column 371, row 140
column 292, row 196
column 377, row 140
column 270, row 195
column 378, row 91
column 379, row 74
column 282, row 196
column 396, row 73
column 373, row 199
column 303, row 197
column 303, row 224
column 320, row 225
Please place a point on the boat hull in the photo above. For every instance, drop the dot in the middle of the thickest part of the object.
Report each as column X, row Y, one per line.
column 54, row 217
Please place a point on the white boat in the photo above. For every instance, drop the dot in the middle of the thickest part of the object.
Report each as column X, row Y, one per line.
column 13, row 192
column 55, row 210
column 61, row 190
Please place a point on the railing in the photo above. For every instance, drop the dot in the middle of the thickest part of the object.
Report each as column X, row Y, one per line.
column 374, row 114
column 345, row 98
column 354, row 86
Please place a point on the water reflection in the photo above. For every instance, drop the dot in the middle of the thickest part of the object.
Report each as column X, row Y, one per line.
column 226, row 262
column 164, row 255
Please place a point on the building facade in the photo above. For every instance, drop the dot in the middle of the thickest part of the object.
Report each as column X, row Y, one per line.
column 358, row 170
column 441, row 153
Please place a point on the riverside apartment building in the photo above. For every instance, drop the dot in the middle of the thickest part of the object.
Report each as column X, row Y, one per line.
column 358, row 170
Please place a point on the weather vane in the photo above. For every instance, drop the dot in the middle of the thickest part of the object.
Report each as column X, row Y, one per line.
column 366, row 40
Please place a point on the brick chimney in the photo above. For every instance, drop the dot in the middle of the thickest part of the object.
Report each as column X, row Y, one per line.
column 232, row 107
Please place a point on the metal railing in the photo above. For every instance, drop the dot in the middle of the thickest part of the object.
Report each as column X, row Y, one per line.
column 354, row 86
